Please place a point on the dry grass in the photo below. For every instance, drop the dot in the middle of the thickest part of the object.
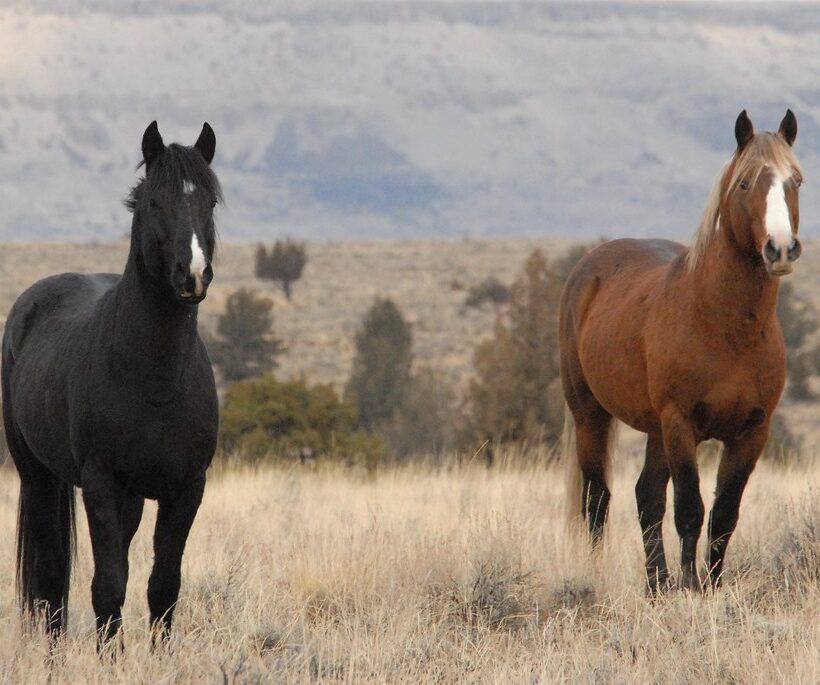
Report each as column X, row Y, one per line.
column 443, row 575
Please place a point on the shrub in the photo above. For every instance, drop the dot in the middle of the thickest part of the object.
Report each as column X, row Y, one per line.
column 425, row 422
column 798, row 320
column 244, row 347
column 513, row 397
column 263, row 418
column 381, row 367
column 284, row 263
column 489, row 290
column 782, row 445
column 516, row 394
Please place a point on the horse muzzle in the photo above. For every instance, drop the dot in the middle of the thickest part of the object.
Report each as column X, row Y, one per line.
column 195, row 286
column 780, row 262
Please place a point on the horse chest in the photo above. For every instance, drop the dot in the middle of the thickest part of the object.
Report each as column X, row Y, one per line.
column 155, row 447
column 729, row 410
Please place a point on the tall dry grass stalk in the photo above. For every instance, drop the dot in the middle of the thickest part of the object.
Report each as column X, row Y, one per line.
column 443, row 574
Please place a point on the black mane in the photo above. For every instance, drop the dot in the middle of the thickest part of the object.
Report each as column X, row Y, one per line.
column 177, row 164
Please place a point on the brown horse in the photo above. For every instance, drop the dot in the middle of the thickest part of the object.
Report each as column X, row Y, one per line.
column 684, row 345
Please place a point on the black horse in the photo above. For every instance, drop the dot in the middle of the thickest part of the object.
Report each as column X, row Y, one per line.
column 108, row 387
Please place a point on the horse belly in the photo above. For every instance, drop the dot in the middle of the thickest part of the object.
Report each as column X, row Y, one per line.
column 614, row 367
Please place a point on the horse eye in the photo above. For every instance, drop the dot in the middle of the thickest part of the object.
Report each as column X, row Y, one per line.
column 213, row 204
column 153, row 204
column 744, row 184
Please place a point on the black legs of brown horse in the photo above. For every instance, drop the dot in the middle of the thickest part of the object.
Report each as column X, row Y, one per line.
column 650, row 493
column 592, row 437
column 736, row 465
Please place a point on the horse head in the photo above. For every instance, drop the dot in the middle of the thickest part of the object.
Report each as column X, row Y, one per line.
column 760, row 206
column 173, row 232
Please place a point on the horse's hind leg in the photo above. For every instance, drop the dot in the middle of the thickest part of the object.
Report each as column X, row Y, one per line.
column 650, row 493
column 736, row 465
column 592, row 442
column 174, row 520
column 44, row 539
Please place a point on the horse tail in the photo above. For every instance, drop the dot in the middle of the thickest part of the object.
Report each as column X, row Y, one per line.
column 32, row 582
column 574, row 477
column 46, row 525
column 574, row 481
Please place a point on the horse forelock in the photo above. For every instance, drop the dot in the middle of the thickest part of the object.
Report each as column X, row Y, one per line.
column 764, row 150
column 177, row 171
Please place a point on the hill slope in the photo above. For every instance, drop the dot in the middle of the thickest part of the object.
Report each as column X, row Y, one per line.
column 400, row 119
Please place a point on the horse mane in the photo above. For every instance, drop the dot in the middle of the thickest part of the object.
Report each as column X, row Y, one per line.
column 170, row 170
column 765, row 149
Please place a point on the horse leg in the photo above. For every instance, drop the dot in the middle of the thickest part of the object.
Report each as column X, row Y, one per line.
column 130, row 518
column 104, row 505
column 592, row 437
column 736, row 465
column 174, row 520
column 680, row 446
column 650, row 493
column 45, row 530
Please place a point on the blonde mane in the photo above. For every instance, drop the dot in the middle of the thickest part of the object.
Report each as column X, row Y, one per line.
column 763, row 150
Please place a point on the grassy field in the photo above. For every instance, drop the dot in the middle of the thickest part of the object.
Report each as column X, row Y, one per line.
column 443, row 575
column 425, row 573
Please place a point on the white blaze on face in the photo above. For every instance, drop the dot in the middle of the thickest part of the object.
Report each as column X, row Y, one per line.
column 778, row 221
column 198, row 262
column 188, row 187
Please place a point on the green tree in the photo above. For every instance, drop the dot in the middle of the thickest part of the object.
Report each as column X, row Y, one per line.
column 284, row 263
column 245, row 346
column 381, row 368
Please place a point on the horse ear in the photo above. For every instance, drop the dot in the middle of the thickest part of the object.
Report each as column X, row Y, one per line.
column 152, row 145
column 743, row 130
column 206, row 143
column 788, row 127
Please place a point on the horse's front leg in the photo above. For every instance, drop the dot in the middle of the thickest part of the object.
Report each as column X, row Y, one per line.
column 680, row 446
column 104, row 502
column 174, row 520
column 736, row 465
column 650, row 494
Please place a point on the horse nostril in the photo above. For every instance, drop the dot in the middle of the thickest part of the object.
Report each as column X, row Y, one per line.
column 180, row 268
column 795, row 250
column 207, row 275
column 771, row 251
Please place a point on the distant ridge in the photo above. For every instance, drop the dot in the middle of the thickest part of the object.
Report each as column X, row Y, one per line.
column 341, row 120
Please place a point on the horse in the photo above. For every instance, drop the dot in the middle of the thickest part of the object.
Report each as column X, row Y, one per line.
column 107, row 387
column 684, row 344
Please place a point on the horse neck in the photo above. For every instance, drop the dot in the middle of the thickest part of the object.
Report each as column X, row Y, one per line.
column 734, row 288
column 152, row 332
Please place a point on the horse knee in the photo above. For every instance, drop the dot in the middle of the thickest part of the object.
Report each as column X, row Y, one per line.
column 651, row 501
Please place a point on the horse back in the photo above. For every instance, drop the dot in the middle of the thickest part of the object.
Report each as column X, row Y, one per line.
column 629, row 267
column 60, row 303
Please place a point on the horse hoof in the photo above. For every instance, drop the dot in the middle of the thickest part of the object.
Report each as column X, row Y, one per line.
column 691, row 581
